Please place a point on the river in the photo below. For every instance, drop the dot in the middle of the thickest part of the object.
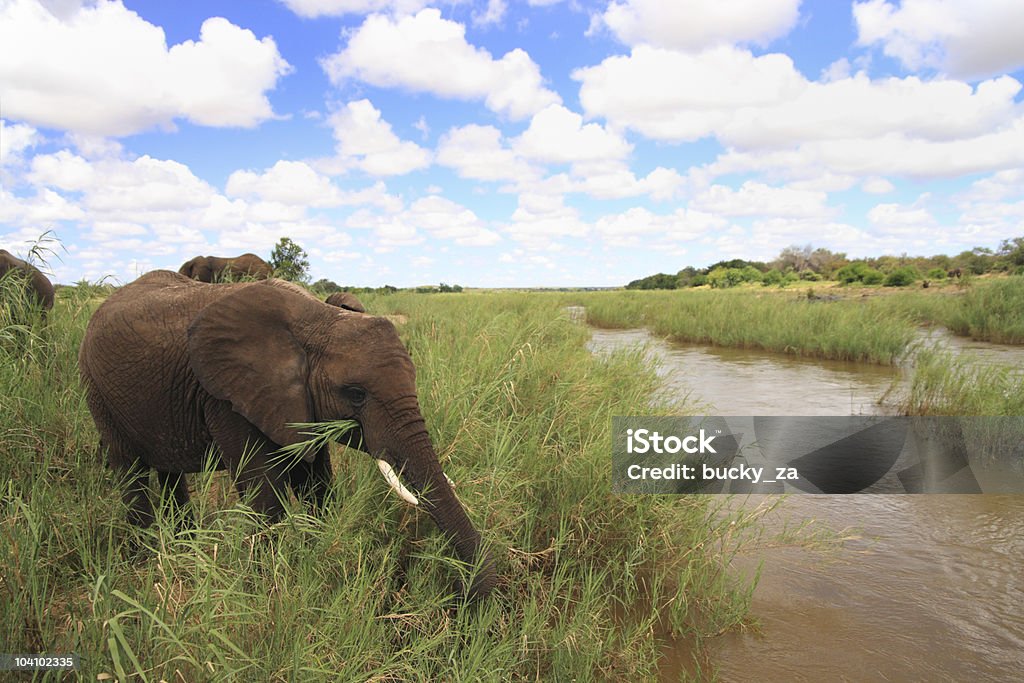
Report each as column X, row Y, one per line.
column 926, row 588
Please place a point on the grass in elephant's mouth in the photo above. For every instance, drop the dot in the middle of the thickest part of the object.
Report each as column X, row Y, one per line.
column 320, row 434
column 519, row 413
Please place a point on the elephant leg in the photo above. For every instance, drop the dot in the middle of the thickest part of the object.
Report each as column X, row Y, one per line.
column 122, row 458
column 311, row 481
column 174, row 490
column 136, row 495
column 259, row 476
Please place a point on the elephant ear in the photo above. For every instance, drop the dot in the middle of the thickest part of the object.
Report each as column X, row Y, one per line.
column 243, row 349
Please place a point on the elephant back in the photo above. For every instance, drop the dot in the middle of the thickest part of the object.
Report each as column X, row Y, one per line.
column 35, row 280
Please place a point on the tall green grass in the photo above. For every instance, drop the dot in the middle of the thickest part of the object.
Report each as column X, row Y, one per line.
column 985, row 309
column 592, row 586
column 943, row 384
column 852, row 330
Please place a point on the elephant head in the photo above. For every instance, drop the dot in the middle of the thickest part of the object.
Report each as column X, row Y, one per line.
column 34, row 281
column 346, row 300
column 243, row 363
column 198, row 268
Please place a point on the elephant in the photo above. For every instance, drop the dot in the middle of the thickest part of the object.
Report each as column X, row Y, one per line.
column 346, row 300
column 955, row 273
column 172, row 366
column 35, row 281
column 216, row 268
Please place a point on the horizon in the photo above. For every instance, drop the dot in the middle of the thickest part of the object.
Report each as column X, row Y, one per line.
column 504, row 145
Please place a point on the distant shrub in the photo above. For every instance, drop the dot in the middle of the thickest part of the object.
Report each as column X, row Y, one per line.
column 859, row 272
column 872, row 277
column 901, row 277
column 936, row 274
column 722, row 277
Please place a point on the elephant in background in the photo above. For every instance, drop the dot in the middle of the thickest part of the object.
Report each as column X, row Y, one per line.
column 39, row 284
column 217, row 268
column 346, row 300
column 172, row 366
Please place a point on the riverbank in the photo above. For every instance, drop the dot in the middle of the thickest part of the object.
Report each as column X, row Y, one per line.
column 883, row 329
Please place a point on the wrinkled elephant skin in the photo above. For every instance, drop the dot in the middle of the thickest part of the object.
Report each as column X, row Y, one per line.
column 172, row 366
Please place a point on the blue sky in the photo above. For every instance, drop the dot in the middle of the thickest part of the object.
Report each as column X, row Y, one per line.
column 503, row 143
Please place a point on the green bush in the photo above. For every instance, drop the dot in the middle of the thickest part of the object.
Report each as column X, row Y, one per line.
column 872, row 277
column 901, row 277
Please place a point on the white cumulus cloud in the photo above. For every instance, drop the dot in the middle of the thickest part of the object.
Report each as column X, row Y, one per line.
column 426, row 53
column 102, row 69
column 698, row 24
column 367, row 142
column 558, row 135
column 769, row 116
column 479, row 153
column 311, row 9
column 963, row 38
column 15, row 138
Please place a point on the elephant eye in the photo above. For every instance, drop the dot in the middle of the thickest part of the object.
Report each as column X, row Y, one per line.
column 354, row 395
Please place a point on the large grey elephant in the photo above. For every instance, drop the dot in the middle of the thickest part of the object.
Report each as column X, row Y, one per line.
column 35, row 281
column 172, row 366
column 217, row 268
column 346, row 300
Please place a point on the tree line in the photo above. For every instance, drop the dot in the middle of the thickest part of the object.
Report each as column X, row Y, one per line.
column 809, row 264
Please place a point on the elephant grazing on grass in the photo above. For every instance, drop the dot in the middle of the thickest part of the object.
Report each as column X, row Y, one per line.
column 172, row 366
column 37, row 284
column 217, row 268
column 346, row 300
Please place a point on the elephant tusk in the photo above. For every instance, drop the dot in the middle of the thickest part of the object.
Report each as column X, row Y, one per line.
column 396, row 484
column 450, row 482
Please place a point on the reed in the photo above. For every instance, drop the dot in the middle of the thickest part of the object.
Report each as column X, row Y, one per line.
column 849, row 329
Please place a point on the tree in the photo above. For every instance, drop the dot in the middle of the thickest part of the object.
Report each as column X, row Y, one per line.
column 325, row 286
column 820, row 260
column 1012, row 252
column 656, row 281
column 290, row 261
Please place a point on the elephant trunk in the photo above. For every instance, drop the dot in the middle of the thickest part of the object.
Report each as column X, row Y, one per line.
column 420, row 467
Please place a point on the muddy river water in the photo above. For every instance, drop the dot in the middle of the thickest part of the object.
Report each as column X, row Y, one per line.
column 926, row 588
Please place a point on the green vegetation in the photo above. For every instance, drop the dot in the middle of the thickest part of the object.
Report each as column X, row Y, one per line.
column 806, row 263
column 324, row 287
column 989, row 309
column 289, row 261
column 902, row 276
column 842, row 330
column 859, row 272
column 519, row 411
column 942, row 384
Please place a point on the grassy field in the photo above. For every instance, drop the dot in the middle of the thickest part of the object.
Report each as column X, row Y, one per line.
column 593, row 586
